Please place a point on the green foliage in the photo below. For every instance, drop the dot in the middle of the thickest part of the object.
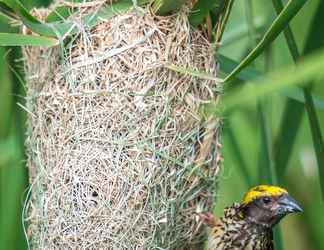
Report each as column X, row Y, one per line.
column 164, row 7
column 11, row 39
column 310, row 69
column 193, row 72
column 278, row 25
column 201, row 9
column 13, row 175
column 273, row 67
column 62, row 28
column 60, row 13
column 313, row 42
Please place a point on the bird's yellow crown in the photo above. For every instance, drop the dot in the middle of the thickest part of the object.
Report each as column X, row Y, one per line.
column 262, row 190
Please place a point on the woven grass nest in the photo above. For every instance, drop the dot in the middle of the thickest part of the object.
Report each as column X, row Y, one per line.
column 118, row 152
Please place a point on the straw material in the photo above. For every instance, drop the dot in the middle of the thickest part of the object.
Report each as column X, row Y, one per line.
column 119, row 154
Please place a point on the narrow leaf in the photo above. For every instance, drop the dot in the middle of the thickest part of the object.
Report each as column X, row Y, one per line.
column 317, row 137
column 241, row 32
column 275, row 29
column 227, row 65
column 290, row 123
column 164, row 7
column 249, row 73
column 8, row 12
column 238, row 156
column 298, row 95
column 201, row 9
column 265, row 175
column 63, row 28
column 193, row 72
column 11, row 39
column 222, row 18
column 313, row 42
column 19, row 9
column 60, row 13
column 311, row 68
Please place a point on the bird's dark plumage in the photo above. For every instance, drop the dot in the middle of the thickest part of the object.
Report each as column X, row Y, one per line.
column 248, row 225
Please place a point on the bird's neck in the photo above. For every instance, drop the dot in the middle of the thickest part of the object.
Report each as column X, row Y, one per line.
column 236, row 214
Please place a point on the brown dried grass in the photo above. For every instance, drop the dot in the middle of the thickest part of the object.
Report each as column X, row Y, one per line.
column 118, row 152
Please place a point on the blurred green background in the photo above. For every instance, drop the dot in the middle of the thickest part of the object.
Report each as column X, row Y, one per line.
column 259, row 142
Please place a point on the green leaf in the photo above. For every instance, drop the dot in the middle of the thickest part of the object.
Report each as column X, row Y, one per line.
column 289, row 125
column 227, row 65
column 292, row 109
column 298, row 95
column 12, row 39
column 63, row 28
column 264, row 162
column 8, row 12
column 238, row 156
column 17, row 7
column 13, row 173
column 60, row 13
column 222, row 18
column 317, row 136
column 193, row 72
column 249, row 73
column 287, row 32
column 6, row 98
column 164, row 7
column 241, row 32
column 277, row 237
column 201, row 9
column 275, row 29
column 310, row 68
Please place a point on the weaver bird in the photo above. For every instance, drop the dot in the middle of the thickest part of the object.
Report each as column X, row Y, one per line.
column 248, row 225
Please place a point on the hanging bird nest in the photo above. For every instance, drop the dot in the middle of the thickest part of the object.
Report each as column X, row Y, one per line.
column 119, row 154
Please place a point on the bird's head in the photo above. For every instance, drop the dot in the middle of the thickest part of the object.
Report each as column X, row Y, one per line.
column 267, row 205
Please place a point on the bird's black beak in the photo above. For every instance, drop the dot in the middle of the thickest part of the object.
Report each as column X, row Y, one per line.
column 288, row 205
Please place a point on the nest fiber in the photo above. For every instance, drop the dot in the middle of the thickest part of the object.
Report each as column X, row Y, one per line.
column 119, row 154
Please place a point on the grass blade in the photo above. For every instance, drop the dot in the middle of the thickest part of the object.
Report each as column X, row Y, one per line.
column 164, row 7
column 18, row 8
column 285, row 139
column 298, row 95
column 266, row 138
column 238, row 156
column 6, row 97
column 223, row 14
column 227, row 65
column 292, row 115
column 280, row 23
column 8, row 12
column 311, row 68
column 267, row 172
column 201, row 9
column 287, row 32
column 316, row 135
column 60, row 13
column 12, row 39
column 193, row 72
column 295, row 112
column 265, row 175
column 63, row 28
column 13, row 174
column 249, row 73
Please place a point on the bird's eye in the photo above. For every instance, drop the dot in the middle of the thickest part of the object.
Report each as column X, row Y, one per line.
column 266, row 200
